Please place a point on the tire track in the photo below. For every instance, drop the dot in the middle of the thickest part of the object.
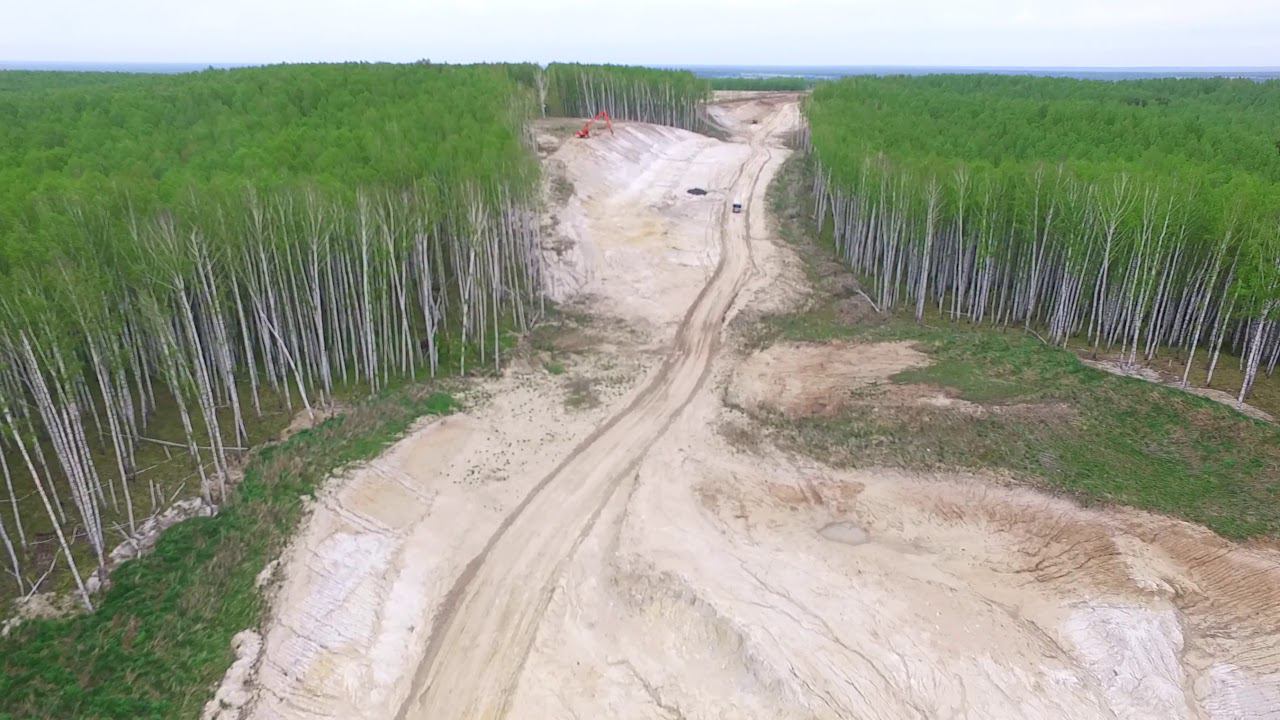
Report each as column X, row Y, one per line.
column 487, row 623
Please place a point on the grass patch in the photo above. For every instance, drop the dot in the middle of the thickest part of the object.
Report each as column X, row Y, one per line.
column 1048, row 418
column 558, row 340
column 580, row 393
column 1227, row 376
column 561, row 190
column 166, row 472
column 160, row 639
column 991, row 367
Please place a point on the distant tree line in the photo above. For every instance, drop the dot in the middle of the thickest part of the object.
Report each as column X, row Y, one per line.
column 773, row 84
column 664, row 97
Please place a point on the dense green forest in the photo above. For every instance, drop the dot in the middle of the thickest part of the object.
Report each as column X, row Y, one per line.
column 196, row 247
column 776, row 84
column 665, row 97
column 20, row 80
column 1132, row 215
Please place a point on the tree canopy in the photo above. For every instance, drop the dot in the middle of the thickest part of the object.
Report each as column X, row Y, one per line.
column 1108, row 209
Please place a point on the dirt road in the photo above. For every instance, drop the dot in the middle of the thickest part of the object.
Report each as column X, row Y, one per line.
column 541, row 557
column 484, row 632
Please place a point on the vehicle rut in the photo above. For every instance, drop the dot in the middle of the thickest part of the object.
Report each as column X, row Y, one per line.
column 487, row 622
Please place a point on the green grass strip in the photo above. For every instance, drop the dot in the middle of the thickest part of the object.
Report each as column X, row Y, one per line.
column 160, row 640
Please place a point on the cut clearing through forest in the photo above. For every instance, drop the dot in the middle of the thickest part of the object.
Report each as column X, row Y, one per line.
column 542, row 556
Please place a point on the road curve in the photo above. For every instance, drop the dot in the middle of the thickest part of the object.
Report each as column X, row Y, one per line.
column 483, row 632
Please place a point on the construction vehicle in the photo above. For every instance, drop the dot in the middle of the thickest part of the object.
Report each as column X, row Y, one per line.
column 585, row 132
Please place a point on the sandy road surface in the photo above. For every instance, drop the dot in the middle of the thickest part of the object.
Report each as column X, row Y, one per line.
column 530, row 561
column 485, row 630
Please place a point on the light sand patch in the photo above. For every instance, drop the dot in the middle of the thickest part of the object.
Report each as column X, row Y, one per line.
column 1230, row 401
column 307, row 419
column 817, row 379
column 360, row 584
column 233, row 693
column 634, row 244
column 910, row 395
column 844, row 532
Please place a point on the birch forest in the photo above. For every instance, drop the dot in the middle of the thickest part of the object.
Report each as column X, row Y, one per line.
column 1138, row 218
column 664, row 97
column 178, row 253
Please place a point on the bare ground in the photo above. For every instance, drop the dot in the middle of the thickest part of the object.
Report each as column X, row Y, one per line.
column 817, row 379
column 533, row 559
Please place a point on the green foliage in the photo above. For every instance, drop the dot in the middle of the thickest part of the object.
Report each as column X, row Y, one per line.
column 86, row 158
column 666, row 97
column 180, row 250
column 1202, row 130
column 778, row 84
column 160, row 640
column 1096, row 435
column 167, row 141
column 1080, row 206
column 20, row 80
column 1205, row 142
column 1048, row 418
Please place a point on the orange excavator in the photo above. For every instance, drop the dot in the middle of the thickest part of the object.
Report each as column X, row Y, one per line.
column 585, row 132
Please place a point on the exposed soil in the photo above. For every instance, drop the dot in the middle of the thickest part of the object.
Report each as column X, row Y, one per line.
column 827, row 379
column 817, row 379
column 531, row 560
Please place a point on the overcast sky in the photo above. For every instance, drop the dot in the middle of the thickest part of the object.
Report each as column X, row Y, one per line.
column 1078, row 33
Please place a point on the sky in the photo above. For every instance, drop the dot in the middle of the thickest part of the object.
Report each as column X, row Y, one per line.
column 1035, row 33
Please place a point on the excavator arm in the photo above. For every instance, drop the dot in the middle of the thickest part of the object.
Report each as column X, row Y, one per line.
column 585, row 132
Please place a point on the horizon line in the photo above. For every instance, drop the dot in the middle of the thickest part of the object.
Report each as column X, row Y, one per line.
column 674, row 65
